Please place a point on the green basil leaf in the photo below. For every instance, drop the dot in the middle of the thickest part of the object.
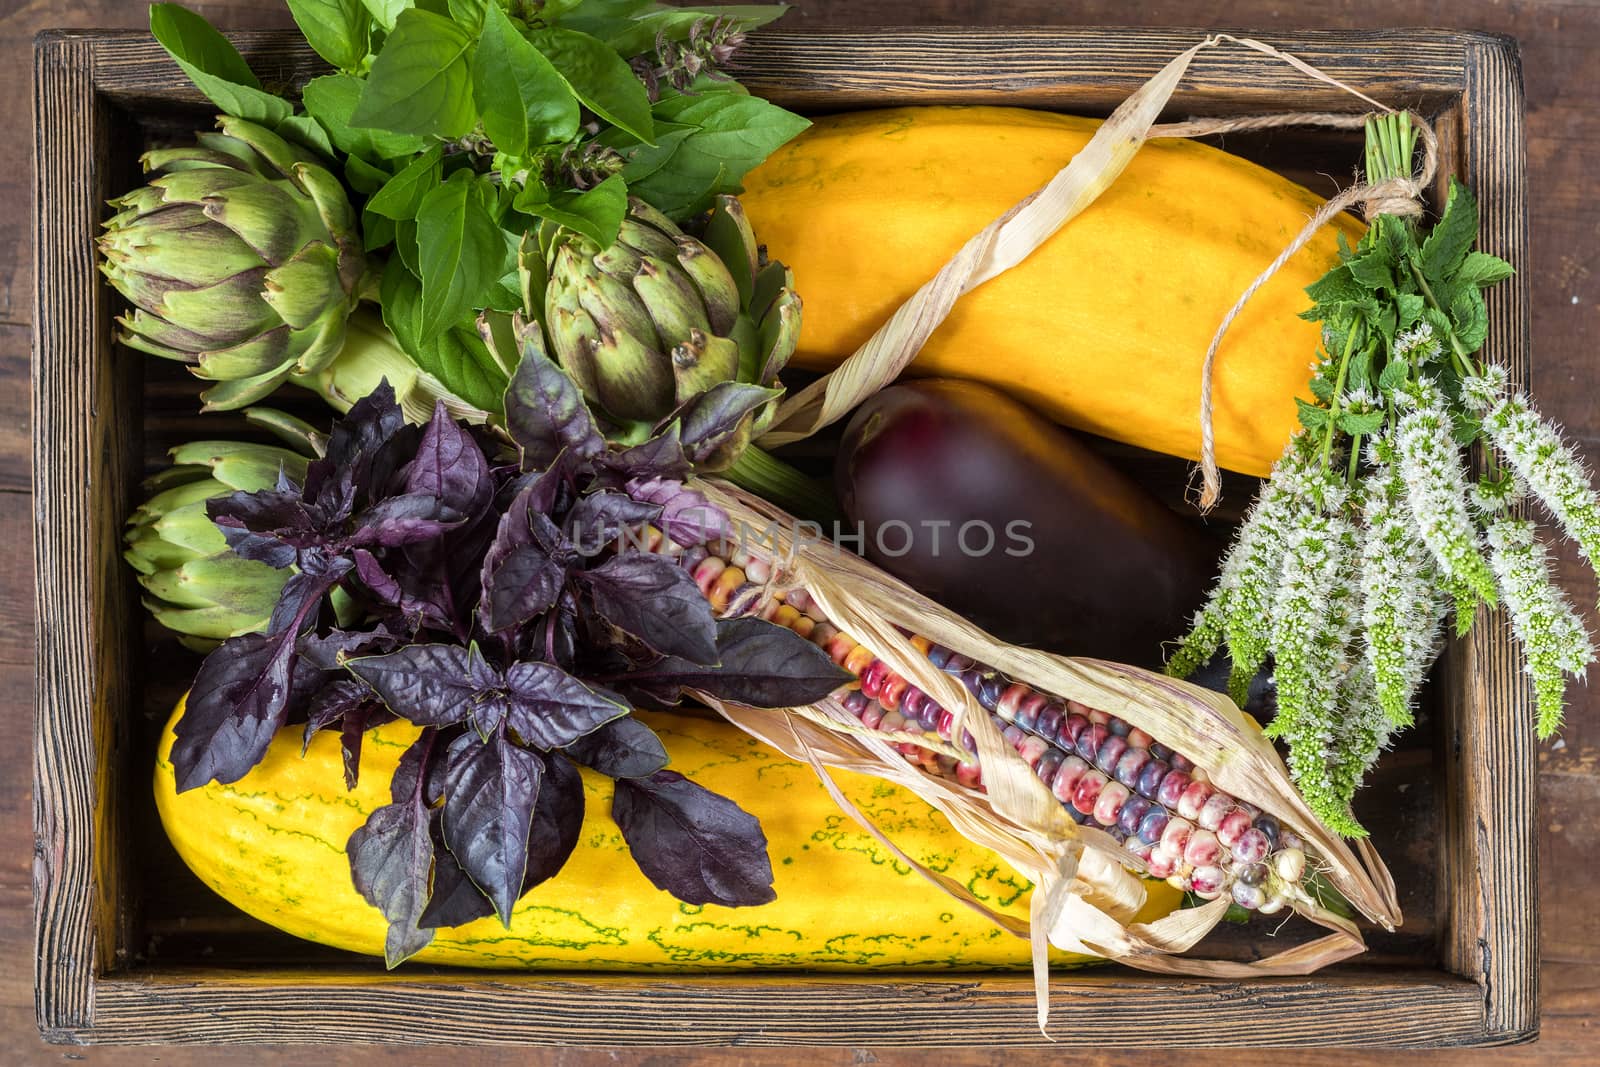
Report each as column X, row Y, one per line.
column 469, row 13
column 401, row 196
column 337, row 30
column 639, row 35
column 332, row 99
column 421, row 82
column 405, row 243
column 458, row 357
column 215, row 66
column 385, row 12
column 376, row 231
column 600, row 78
column 596, row 213
column 736, row 133
column 462, row 252
column 307, row 132
column 364, row 177
column 1452, row 236
column 524, row 101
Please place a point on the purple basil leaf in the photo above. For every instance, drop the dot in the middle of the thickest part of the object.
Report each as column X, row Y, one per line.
column 545, row 411
column 488, row 713
column 625, row 748
column 489, row 797
column 455, row 900
column 326, row 651
column 686, row 515
column 419, row 596
column 596, row 521
column 424, row 759
column 656, row 601
column 557, row 821
column 254, row 524
column 353, row 729
column 552, row 709
column 524, row 586
column 450, row 467
column 404, row 520
column 375, row 578
column 720, row 415
column 345, row 472
column 348, row 704
column 391, row 863
column 239, row 699
column 430, row 685
column 695, row 844
column 302, row 594
column 761, row 665
column 660, row 457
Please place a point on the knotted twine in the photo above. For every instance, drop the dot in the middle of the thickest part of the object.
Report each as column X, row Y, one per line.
column 1012, row 237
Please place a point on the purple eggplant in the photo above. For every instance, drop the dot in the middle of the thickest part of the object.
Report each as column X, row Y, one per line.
column 1006, row 518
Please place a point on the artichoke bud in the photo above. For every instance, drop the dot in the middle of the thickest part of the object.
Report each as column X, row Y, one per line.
column 241, row 257
column 193, row 582
column 661, row 316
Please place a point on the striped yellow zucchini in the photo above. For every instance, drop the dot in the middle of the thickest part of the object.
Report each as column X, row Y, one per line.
column 273, row 843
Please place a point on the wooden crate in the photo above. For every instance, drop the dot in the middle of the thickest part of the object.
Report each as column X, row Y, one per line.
column 131, row 949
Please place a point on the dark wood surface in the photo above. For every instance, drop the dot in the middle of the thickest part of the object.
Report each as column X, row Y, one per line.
column 1563, row 72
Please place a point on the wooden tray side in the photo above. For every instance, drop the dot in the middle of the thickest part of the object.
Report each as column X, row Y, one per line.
column 84, row 461
column 1491, row 916
column 86, row 468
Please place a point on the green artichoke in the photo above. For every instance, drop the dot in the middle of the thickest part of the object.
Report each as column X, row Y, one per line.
column 242, row 259
column 657, row 319
column 195, row 584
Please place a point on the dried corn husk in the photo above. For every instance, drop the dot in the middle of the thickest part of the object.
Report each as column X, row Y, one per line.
column 1085, row 894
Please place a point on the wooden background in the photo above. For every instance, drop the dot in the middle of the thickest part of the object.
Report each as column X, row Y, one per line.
column 1561, row 57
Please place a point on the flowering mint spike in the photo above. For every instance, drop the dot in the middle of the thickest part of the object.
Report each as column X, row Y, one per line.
column 1534, row 449
column 1203, row 637
column 1250, row 573
column 1398, row 611
column 1551, row 633
column 1313, row 617
column 1362, row 736
column 1430, row 465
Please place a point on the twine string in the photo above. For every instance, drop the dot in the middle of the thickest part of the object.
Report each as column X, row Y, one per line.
column 1395, row 196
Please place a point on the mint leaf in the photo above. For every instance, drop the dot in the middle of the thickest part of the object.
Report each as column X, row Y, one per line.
column 524, row 101
column 332, row 99
column 461, row 251
column 421, row 82
column 337, row 30
column 1311, row 416
column 401, row 196
column 1446, row 247
column 1353, row 424
column 600, row 78
column 1374, row 268
column 1481, row 269
column 1322, row 388
column 1408, row 307
column 1358, row 373
column 215, row 66
column 1338, row 286
column 1394, row 375
column 596, row 213
column 1471, row 319
column 735, row 133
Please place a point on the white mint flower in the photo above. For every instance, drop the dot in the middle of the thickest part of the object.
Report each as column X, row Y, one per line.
column 1552, row 635
column 1534, row 449
column 1250, row 573
column 1430, row 465
column 1364, row 733
column 1482, row 392
column 1399, row 612
column 1417, row 345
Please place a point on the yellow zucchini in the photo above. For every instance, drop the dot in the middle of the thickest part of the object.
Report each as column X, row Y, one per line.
column 273, row 844
column 1105, row 326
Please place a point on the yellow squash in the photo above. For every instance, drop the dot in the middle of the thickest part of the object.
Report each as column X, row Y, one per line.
column 273, row 844
column 1104, row 327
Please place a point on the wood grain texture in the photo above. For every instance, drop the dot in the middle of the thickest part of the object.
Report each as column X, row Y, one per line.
column 82, row 457
column 1560, row 41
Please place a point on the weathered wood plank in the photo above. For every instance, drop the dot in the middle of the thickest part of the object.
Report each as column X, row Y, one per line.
column 1362, row 1008
column 81, row 456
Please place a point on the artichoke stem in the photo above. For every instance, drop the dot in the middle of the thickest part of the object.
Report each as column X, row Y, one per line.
column 769, row 477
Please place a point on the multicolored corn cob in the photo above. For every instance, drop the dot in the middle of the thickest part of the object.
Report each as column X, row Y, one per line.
column 1106, row 772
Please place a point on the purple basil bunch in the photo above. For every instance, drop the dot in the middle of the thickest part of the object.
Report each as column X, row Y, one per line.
column 475, row 582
